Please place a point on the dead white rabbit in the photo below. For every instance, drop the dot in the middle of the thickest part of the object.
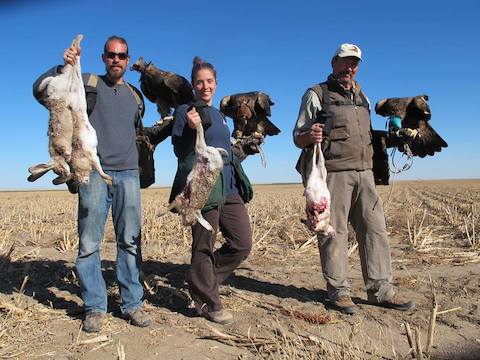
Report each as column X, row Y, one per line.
column 72, row 139
column 207, row 166
column 316, row 191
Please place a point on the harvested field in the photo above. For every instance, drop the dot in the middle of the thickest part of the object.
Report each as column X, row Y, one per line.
column 277, row 295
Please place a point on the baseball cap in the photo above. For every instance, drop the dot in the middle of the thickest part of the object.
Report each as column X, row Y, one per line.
column 348, row 50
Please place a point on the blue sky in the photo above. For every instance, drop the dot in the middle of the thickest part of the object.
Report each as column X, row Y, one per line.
column 280, row 48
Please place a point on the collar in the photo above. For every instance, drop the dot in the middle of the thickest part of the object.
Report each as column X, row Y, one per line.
column 333, row 81
column 109, row 83
column 198, row 104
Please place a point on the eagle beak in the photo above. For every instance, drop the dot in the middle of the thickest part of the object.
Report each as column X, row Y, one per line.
column 137, row 65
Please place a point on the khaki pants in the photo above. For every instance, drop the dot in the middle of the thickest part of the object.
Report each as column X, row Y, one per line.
column 355, row 199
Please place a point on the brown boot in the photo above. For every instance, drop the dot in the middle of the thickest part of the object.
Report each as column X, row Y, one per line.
column 93, row 322
column 396, row 302
column 222, row 317
column 138, row 317
column 345, row 305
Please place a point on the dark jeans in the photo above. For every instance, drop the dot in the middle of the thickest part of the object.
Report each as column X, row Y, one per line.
column 210, row 268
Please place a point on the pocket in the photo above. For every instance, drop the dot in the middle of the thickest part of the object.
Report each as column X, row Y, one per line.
column 333, row 148
column 339, row 133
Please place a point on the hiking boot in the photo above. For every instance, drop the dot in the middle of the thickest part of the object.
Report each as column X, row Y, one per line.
column 345, row 305
column 93, row 322
column 138, row 317
column 222, row 317
column 396, row 303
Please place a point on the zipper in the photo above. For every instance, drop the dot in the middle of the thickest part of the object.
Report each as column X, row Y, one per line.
column 362, row 146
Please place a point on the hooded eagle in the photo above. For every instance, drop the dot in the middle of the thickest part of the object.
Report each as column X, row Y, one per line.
column 167, row 89
column 249, row 112
column 409, row 124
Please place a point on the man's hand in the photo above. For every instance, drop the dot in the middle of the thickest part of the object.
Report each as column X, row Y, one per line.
column 316, row 133
column 193, row 118
column 312, row 136
column 70, row 55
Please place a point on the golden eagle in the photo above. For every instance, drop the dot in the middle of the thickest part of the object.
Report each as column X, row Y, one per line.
column 408, row 125
column 167, row 89
column 249, row 112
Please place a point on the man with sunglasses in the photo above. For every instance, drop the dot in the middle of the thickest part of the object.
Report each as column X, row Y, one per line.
column 114, row 118
column 336, row 113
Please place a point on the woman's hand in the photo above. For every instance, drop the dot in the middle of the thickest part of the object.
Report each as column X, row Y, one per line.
column 70, row 55
column 193, row 118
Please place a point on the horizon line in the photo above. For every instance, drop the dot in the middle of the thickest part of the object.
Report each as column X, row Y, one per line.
column 253, row 184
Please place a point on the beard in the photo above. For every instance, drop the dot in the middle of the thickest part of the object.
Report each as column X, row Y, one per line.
column 114, row 74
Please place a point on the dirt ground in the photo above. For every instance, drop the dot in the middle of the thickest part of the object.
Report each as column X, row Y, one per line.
column 277, row 295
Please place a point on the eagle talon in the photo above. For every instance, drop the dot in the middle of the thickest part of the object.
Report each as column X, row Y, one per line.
column 165, row 118
column 406, row 132
column 257, row 135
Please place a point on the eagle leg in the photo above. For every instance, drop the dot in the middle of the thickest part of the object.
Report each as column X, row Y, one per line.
column 163, row 109
column 407, row 132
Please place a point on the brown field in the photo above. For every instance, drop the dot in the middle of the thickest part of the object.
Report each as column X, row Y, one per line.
column 277, row 295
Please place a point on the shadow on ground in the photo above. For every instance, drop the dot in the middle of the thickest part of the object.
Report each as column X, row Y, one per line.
column 52, row 283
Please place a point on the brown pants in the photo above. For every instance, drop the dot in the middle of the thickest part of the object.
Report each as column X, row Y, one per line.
column 210, row 268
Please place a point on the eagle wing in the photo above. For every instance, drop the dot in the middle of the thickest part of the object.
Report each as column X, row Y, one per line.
column 415, row 130
column 226, row 106
column 262, row 107
column 270, row 128
column 181, row 88
column 165, row 88
column 427, row 141
column 146, row 87
column 249, row 112
column 263, row 103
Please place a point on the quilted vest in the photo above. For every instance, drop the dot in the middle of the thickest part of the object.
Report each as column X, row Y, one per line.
column 347, row 133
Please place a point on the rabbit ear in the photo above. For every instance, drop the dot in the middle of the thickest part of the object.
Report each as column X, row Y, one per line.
column 39, row 170
column 77, row 40
column 60, row 180
column 223, row 153
column 318, row 161
column 202, row 221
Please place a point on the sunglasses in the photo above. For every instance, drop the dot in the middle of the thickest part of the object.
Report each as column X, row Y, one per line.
column 111, row 55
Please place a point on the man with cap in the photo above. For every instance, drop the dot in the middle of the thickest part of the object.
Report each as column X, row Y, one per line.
column 336, row 113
